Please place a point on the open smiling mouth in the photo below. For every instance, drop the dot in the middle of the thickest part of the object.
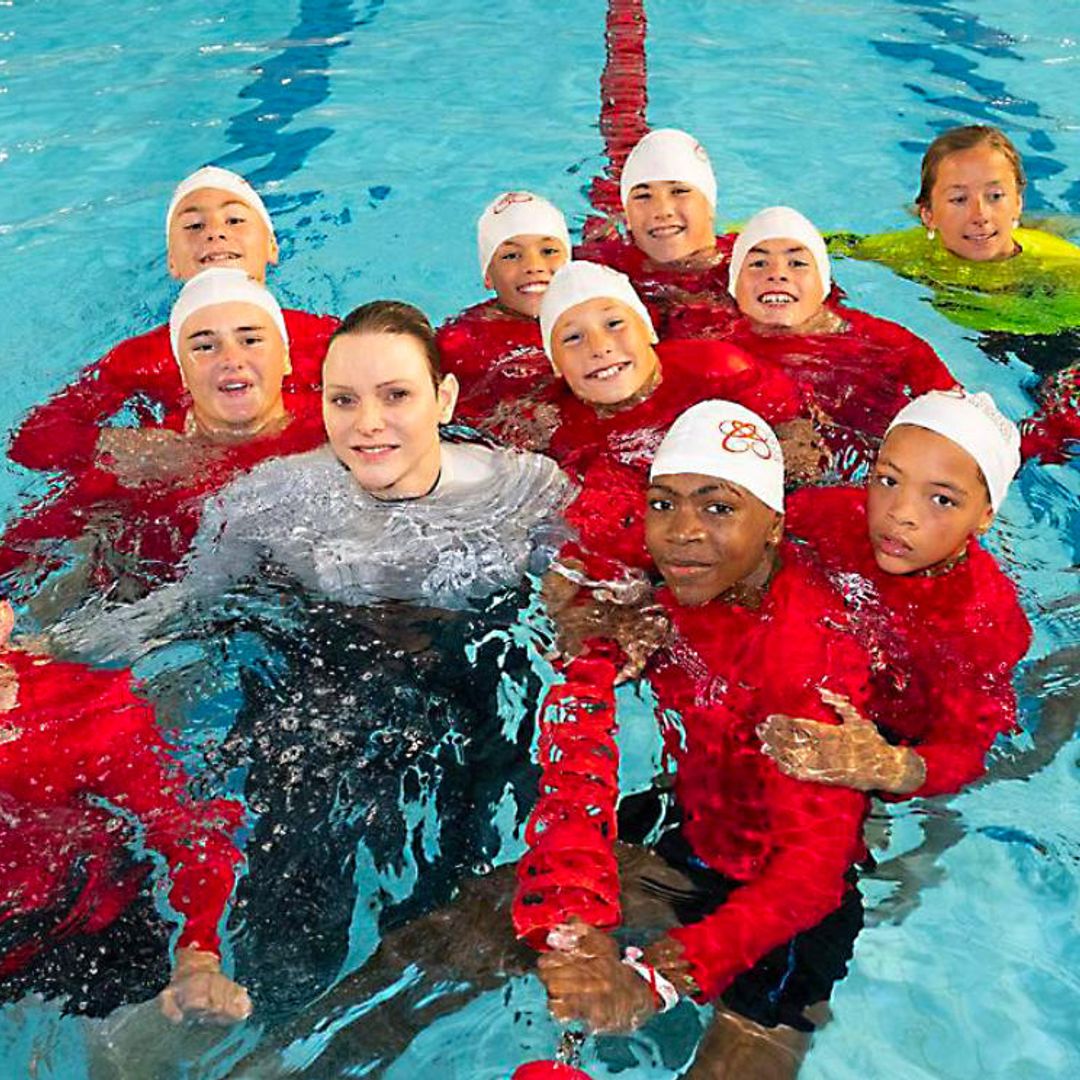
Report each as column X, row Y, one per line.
column 662, row 232
column 609, row 372
column 234, row 387
column 776, row 299
column 533, row 287
column 216, row 257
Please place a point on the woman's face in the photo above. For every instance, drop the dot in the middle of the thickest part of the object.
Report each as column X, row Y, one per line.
column 926, row 497
column 215, row 228
column 975, row 204
column 232, row 361
column 669, row 220
column 382, row 412
column 707, row 535
column 779, row 284
column 602, row 349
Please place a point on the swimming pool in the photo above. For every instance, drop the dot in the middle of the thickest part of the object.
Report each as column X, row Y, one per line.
column 379, row 129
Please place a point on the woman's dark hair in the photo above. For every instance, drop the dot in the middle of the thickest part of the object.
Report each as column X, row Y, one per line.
column 393, row 317
column 966, row 138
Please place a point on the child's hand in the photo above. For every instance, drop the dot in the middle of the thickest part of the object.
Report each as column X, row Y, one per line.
column 199, row 991
column 589, row 982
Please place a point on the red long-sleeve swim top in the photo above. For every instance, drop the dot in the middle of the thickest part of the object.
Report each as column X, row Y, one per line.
column 943, row 648
column 85, row 773
column 145, row 529
column 859, row 377
column 62, row 433
column 789, row 844
column 665, row 288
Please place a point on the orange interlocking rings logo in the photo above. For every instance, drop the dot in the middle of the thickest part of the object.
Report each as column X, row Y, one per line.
column 743, row 435
column 509, row 199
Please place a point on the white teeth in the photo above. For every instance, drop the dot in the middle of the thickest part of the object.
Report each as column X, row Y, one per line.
column 607, row 372
column 665, row 230
column 534, row 287
column 776, row 298
column 234, row 386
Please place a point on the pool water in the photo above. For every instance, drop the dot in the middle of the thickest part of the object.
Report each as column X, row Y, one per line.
column 378, row 130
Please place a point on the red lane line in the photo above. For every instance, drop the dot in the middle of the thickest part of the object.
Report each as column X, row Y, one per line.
column 623, row 97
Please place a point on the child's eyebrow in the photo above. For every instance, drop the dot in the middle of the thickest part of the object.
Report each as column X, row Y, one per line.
column 949, row 486
column 195, row 334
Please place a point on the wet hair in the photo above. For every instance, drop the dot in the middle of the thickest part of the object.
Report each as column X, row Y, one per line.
column 966, row 138
column 393, row 317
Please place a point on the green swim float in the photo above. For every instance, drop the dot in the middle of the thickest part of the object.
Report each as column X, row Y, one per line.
column 1037, row 291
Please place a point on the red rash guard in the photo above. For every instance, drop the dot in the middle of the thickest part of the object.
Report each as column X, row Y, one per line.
column 62, row 434
column 498, row 356
column 788, row 844
column 150, row 527
column 78, row 743
column 942, row 648
column 667, row 288
column 859, row 378
column 575, row 433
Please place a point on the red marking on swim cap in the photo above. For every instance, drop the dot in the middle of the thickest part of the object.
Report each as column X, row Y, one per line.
column 700, row 152
column 509, row 199
column 743, row 435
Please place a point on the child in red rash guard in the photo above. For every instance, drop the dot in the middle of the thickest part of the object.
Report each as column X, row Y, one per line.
column 853, row 369
column 215, row 219
column 139, row 512
column 84, row 775
column 767, row 857
column 940, row 619
column 494, row 348
column 616, row 394
column 671, row 255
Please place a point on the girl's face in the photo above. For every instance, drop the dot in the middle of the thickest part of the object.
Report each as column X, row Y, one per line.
column 212, row 227
column 521, row 270
column 669, row 220
column 975, row 204
column 707, row 535
column 779, row 284
column 232, row 361
column 382, row 412
column 602, row 349
column 926, row 497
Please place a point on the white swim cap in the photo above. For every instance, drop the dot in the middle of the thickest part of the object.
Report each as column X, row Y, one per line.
column 221, row 286
column 779, row 223
column 976, row 425
column 728, row 441
column 212, row 176
column 668, row 154
column 518, row 213
column 577, row 282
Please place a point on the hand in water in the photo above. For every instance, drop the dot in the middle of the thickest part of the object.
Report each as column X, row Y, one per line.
column 199, row 991
column 853, row 754
column 639, row 628
column 139, row 456
column 805, row 454
column 586, row 980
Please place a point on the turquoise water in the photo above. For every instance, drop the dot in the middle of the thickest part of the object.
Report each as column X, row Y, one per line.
column 379, row 130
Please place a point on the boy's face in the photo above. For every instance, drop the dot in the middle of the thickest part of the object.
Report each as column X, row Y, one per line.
column 521, row 270
column 706, row 535
column 926, row 497
column 669, row 220
column 212, row 227
column 232, row 360
column 779, row 284
column 602, row 349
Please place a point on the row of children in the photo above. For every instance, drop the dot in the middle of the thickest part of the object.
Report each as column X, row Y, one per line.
column 567, row 361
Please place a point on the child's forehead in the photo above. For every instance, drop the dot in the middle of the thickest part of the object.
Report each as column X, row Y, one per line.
column 209, row 197
column 911, row 445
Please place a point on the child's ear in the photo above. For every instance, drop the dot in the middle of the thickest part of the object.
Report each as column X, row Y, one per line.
column 926, row 217
column 985, row 521
column 487, row 281
column 776, row 532
column 287, row 370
